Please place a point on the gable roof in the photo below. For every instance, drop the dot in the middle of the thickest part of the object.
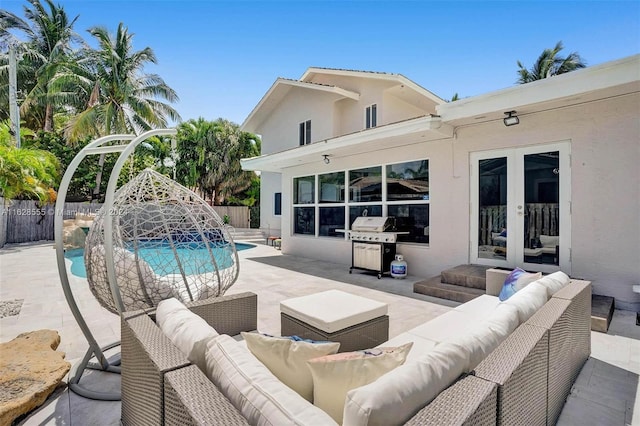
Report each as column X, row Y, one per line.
column 279, row 90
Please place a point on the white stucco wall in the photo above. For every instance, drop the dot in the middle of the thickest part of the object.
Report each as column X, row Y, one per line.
column 605, row 185
column 270, row 183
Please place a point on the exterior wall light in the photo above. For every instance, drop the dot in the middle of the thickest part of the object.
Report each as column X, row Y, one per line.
column 511, row 119
column 327, row 160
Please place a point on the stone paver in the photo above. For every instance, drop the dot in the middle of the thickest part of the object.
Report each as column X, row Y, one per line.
column 604, row 393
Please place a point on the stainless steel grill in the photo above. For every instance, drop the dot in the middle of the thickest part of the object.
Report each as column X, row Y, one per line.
column 373, row 243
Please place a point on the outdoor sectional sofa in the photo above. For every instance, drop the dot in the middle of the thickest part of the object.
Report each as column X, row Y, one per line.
column 525, row 379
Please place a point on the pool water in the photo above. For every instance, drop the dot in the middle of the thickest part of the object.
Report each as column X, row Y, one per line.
column 160, row 257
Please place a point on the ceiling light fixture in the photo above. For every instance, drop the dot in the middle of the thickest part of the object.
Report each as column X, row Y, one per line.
column 326, row 159
column 511, row 119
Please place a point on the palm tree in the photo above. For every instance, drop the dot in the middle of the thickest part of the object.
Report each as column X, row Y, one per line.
column 49, row 36
column 122, row 98
column 549, row 63
column 209, row 157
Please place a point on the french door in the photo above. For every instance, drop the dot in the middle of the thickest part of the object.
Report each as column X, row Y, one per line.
column 521, row 208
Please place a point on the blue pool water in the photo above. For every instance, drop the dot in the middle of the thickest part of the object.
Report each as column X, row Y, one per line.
column 160, row 257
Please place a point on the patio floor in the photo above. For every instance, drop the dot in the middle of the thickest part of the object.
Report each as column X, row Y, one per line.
column 604, row 394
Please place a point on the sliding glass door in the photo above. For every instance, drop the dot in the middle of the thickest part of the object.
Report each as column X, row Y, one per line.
column 520, row 201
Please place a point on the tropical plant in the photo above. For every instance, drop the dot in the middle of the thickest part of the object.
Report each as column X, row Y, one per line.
column 209, row 155
column 49, row 37
column 549, row 63
column 28, row 173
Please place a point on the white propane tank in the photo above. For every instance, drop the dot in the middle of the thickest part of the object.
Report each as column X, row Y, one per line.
column 399, row 267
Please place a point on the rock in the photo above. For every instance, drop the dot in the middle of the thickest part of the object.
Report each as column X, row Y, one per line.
column 30, row 369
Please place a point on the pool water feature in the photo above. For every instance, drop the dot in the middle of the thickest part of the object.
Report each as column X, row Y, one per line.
column 160, row 257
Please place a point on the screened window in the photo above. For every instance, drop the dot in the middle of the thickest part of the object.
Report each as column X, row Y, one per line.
column 304, row 130
column 371, row 116
column 408, row 181
column 331, row 187
column 304, row 190
column 304, row 220
column 277, row 203
column 365, row 184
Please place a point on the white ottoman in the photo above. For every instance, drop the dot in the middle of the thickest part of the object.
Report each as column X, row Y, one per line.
column 354, row 321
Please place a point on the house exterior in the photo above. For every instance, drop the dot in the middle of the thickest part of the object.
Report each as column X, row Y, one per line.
column 558, row 188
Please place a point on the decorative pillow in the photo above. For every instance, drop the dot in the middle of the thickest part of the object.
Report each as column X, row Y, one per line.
column 335, row 375
column 259, row 396
column 554, row 282
column 528, row 300
column 287, row 358
column 503, row 233
column 515, row 281
column 396, row 396
column 189, row 332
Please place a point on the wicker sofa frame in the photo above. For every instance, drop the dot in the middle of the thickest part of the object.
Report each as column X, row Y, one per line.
column 526, row 380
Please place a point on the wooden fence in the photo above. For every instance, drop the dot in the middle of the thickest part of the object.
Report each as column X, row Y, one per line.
column 24, row 221
column 540, row 219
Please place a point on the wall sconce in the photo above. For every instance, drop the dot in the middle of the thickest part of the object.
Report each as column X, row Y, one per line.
column 511, row 119
column 326, row 159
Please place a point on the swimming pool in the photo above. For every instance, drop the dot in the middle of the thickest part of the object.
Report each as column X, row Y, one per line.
column 160, row 257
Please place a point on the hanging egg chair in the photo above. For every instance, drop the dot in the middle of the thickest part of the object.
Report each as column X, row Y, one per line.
column 166, row 242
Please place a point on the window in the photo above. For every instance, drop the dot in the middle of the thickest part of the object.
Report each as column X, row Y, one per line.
column 371, row 116
column 305, row 132
column 408, row 181
column 331, row 187
column 365, row 184
column 277, row 204
column 402, row 191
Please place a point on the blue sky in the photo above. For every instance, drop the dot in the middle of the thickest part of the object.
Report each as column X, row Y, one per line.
column 221, row 57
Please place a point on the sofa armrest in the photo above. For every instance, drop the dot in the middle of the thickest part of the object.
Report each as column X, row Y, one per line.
column 190, row 398
column 469, row 401
column 229, row 314
column 519, row 367
column 495, row 279
column 146, row 356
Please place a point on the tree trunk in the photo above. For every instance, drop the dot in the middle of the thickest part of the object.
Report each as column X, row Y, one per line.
column 48, row 118
column 96, row 190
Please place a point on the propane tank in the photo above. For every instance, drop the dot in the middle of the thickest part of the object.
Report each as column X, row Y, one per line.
column 399, row 267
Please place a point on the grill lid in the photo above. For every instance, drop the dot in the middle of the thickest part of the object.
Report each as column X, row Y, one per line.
column 374, row 223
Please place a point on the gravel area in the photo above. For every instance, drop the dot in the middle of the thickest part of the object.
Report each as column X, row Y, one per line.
column 9, row 308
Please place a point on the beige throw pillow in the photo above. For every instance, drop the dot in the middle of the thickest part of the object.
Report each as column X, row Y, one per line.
column 335, row 375
column 287, row 359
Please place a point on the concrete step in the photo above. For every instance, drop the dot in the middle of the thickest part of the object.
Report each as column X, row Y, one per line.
column 473, row 276
column 601, row 312
column 436, row 288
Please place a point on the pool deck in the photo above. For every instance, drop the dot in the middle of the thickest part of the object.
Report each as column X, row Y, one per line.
column 605, row 393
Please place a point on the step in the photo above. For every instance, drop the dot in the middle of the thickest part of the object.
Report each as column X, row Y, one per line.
column 473, row 276
column 601, row 312
column 436, row 288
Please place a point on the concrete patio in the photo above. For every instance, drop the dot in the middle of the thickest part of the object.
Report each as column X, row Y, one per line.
column 606, row 392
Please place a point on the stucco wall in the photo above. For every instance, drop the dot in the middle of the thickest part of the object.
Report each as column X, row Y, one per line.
column 270, row 183
column 605, row 153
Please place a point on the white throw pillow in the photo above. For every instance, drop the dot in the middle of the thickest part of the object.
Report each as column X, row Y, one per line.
column 554, row 282
column 188, row 332
column 287, row 358
column 398, row 395
column 528, row 300
column 259, row 396
column 335, row 375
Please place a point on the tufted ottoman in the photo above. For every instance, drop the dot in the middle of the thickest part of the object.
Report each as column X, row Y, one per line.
column 354, row 321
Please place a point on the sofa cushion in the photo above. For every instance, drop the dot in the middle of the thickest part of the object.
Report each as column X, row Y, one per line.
column 528, row 300
column 516, row 281
column 396, row 396
column 287, row 358
column 335, row 375
column 186, row 330
column 549, row 240
column 259, row 396
column 444, row 326
column 554, row 282
column 481, row 305
column 420, row 346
